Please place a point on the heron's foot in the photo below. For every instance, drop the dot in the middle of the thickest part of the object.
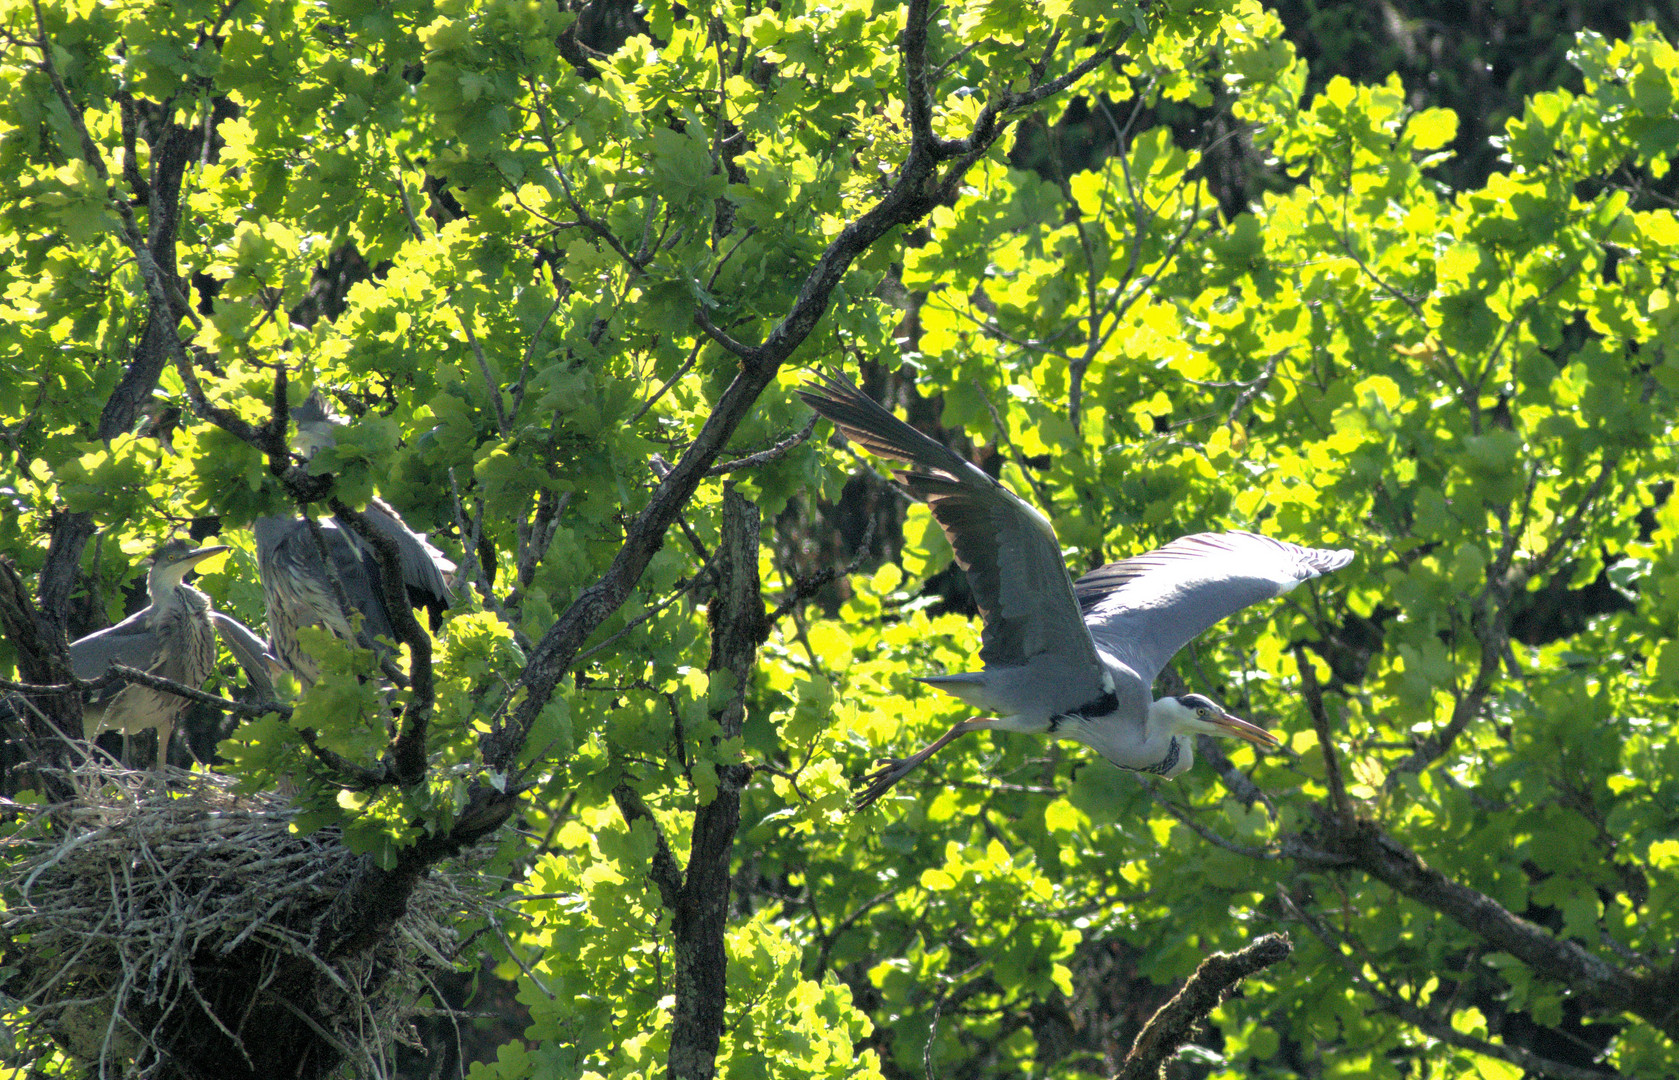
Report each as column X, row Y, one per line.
column 881, row 780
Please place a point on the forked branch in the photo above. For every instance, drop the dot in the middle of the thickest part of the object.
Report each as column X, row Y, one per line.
column 918, row 187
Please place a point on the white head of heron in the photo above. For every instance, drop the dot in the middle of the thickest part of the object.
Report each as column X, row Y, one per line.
column 317, row 425
column 1179, row 719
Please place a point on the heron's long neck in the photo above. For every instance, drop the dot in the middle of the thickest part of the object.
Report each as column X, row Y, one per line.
column 192, row 600
column 1163, row 723
column 1138, row 738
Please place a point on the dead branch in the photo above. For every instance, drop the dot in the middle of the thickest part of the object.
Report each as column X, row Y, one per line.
column 1175, row 1023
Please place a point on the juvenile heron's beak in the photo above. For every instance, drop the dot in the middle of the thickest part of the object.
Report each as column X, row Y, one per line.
column 193, row 558
column 1241, row 729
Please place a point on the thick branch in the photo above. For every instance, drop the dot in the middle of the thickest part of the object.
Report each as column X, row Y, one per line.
column 1434, row 1027
column 377, row 898
column 701, row 914
column 71, row 532
column 1175, row 1023
column 1556, row 959
column 1359, row 844
column 40, row 659
column 664, row 871
column 918, row 96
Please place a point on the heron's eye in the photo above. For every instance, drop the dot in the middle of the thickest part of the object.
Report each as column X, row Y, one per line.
column 1202, row 711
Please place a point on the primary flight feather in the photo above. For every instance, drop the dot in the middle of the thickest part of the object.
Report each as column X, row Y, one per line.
column 1074, row 659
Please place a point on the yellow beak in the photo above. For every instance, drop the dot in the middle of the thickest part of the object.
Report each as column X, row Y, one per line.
column 1241, row 729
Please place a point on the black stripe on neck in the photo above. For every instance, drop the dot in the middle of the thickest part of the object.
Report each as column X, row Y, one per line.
column 1164, row 765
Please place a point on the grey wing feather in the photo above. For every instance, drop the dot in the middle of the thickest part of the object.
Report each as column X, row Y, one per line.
column 299, row 589
column 358, row 570
column 1006, row 547
column 425, row 569
column 131, row 642
column 1144, row 609
column 249, row 650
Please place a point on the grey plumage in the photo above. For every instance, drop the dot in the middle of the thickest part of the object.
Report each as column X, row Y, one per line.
column 1073, row 659
column 1030, row 615
column 250, row 650
column 171, row 637
column 298, row 588
column 1144, row 609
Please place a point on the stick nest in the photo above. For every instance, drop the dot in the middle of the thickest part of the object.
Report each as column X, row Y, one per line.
column 155, row 934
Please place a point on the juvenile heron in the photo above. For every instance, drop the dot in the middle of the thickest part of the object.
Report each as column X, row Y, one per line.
column 172, row 637
column 297, row 586
column 297, row 589
column 1073, row 659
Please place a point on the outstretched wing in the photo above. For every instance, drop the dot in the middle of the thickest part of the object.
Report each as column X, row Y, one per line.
column 1006, row 547
column 426, row 572
column 425, row 569
column 249, row 649
column 1145, row 608
column 299, row 590
column 131, row 642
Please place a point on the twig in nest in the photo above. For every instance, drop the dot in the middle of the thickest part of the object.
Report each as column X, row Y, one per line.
column 159, row 933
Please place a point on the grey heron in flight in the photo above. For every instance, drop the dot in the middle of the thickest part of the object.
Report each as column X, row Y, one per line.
column 1073, row 659
column 298, row 587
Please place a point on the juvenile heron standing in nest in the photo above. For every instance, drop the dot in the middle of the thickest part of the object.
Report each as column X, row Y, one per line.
column 298, row 585
column 172, row 637
column 1074, row 659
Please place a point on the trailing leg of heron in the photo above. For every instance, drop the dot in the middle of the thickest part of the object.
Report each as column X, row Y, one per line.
column 1077, row 659
column 880, row 781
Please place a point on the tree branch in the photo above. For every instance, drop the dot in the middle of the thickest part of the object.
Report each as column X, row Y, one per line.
column 701, row 916
column 1433, row 1027
column 914, row 194
column 71, row 531
column 763, row 457
column 666, row 874
column 1556, row 959
column 124, row 673
column 408, row 751
column 1175, row 1022
column 1339, row 804
column 42, row 659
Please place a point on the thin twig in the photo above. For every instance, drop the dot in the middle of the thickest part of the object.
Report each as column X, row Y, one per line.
column 490, row 383
column 123, row 674
column 1417, row 1018
column 1340, row 805
column 763, row 457
column 693, row 354
column 703, row 577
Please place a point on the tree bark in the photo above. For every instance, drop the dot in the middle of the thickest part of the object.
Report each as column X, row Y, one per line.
column 701, row 912
column 1353, row 841
column 1566, row 962
column 1175, row 1022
